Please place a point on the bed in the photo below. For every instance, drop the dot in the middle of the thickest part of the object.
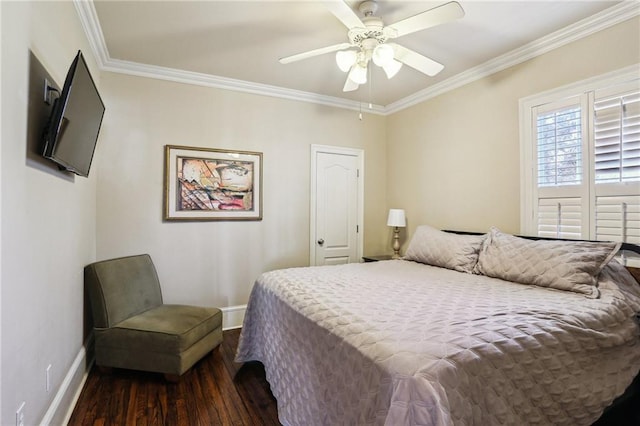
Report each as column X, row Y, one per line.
column 464, row 330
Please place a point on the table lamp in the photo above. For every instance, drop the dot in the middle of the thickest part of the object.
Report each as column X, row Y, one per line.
column 397, row 220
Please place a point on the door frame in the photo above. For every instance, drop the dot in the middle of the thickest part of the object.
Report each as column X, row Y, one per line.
column 328, row 149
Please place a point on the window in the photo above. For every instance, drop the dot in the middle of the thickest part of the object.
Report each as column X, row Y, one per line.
column 559, row 141
column 580, row 161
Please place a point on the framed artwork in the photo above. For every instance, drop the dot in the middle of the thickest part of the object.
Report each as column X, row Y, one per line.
column 212, row 184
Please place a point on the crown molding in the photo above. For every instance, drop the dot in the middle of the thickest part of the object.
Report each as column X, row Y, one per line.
column 591, row 25
column 91, row 26
column 600, row 21
column 208, row 80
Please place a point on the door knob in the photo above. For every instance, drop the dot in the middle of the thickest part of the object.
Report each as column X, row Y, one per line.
column 321, row 241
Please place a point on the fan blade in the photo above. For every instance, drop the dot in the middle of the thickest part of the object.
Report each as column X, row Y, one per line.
column 350, row 85
column 315, row 52
column 344, row 13
column 416, row 60
column 430, row 18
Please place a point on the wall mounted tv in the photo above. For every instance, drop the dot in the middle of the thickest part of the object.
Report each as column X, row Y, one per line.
column 72, row 130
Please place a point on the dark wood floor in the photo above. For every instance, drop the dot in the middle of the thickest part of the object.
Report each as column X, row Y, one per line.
column 216, row 391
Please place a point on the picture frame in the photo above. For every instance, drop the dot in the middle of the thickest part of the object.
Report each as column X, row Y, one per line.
column 212, row 184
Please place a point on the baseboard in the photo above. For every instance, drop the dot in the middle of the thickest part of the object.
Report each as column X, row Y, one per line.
column 61, row 408
column 59, row 412
column 233, row 316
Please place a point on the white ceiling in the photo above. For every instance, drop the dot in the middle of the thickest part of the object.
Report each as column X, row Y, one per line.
column 243, row 40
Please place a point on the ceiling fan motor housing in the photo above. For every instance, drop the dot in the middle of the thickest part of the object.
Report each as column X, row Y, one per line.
column 374, row 32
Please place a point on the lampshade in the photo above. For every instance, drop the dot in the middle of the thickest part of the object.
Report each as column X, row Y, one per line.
column 392, row 68
column 382, row 55
column 358, row 74
column 345, row 59
column 396, row 218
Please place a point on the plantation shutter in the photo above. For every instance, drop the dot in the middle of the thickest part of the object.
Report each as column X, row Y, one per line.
column 580, row 161
column 560, row 217
column 617, row 137
column 616, row 152
column 618, row 218
column 561, row 194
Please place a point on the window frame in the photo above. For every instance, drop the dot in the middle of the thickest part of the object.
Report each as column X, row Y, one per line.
column 584, row 90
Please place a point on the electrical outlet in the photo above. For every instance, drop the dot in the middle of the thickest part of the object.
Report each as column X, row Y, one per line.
column 20, row 415
column 47, row 92
column 48, row 378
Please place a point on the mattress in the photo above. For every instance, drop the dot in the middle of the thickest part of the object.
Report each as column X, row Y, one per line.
column 404, row 343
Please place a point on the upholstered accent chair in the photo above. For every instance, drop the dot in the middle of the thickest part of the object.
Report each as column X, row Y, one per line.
column 135, row 330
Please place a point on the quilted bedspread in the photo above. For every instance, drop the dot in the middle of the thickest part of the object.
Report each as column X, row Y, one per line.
column 403, row 343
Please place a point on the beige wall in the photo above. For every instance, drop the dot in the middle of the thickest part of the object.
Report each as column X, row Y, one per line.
column 48, row 225
column 453, row 161
column 216, row 263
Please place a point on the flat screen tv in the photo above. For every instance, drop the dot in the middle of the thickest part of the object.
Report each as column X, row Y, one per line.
column 72, row 130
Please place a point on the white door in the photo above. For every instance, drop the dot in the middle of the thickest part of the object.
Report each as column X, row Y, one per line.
column 336, row 205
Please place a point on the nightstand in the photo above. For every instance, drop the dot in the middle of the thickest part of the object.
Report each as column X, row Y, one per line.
column 376, row 258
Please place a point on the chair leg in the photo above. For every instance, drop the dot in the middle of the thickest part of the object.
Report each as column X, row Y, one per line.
column 105, row 370
column 172, row 378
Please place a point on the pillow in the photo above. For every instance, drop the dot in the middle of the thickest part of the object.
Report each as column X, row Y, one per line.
column 563, row 265
column 438, row 248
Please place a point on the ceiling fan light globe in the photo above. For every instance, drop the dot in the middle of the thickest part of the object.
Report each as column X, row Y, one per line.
column 350, row 86
column 358, row 74
column 392, row 68
column 345, row 59
column 382, row 55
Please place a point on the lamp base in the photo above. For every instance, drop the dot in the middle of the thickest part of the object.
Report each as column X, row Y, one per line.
column 396, row 243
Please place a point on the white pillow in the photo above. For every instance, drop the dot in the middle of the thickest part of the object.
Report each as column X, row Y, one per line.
column 444, row 249
column 563, row 265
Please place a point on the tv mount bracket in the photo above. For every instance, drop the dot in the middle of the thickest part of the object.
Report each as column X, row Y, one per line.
column 48, row 88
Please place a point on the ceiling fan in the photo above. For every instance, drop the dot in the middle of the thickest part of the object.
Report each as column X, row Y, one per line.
column 369, row 37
